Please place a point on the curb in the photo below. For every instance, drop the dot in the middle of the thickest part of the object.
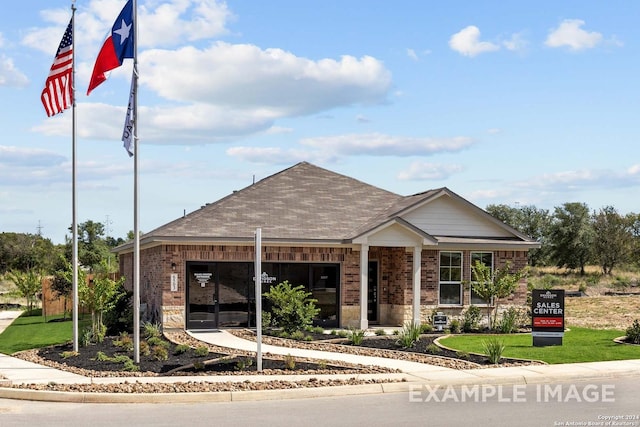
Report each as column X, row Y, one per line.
column 307, row 393
column 198, row 397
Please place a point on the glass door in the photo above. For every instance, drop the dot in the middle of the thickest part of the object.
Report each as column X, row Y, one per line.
column 202, row 303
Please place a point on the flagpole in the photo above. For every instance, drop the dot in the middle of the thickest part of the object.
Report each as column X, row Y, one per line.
column 136, row 202
column 74, row 222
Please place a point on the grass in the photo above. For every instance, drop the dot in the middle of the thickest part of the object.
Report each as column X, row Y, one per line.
column 578, row 345
column 27, row 332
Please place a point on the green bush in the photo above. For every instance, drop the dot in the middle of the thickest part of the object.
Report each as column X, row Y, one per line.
column 181, row 349
column 633, row 332
column 356, row 336
column 159, row 352
column 297, row 335
column 202, row 350
column 433, row 349
column 292, row 308
column 380, row 332
column 454, row 326
column 124, row 341
column 158, row 342
column 471, row 319
column 151, row 330
column 289, row 362
column 509, row 321
column 409, row 335
column 493, row 348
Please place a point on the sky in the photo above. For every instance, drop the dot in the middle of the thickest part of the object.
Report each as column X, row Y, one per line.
column 517, row 103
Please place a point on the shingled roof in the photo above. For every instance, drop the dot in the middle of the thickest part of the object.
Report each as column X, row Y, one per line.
column 301, row 203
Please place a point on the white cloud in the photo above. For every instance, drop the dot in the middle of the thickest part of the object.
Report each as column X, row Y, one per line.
column 279, row 82
column 467, row 42
column 412, row 54
column 516, row 43
column 570, row 34
column 419, row 171
column 10, row 75
column 377, row 144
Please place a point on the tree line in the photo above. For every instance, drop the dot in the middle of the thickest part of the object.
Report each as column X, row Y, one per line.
column 573, row 237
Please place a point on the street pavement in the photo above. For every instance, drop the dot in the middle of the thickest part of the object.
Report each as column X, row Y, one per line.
column 17, row 371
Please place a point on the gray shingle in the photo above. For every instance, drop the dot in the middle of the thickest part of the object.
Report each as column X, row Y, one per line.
column 302, row 203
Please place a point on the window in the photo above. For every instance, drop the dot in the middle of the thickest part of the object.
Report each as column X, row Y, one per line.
column 450, row 278
column 485, row 258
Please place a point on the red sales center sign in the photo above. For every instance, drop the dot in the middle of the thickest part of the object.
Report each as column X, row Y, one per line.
column 547, row 311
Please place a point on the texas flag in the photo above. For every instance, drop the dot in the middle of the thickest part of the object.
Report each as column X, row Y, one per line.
column 118, row 46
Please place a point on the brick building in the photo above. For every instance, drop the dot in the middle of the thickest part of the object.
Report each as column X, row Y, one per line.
column 367, row 255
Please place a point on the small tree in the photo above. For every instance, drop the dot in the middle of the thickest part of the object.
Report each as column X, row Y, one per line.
column 28, row 285
column 99, row 297
column 292, row 308
column 492, row 286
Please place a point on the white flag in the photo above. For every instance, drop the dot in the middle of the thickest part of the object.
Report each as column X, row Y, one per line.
column 129, row 121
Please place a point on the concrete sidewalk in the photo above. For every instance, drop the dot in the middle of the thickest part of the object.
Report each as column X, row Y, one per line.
column 17, row 371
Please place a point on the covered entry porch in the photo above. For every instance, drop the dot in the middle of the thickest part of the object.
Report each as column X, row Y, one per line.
column 390, row 273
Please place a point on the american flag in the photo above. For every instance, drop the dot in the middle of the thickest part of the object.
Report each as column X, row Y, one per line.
column 58, row 93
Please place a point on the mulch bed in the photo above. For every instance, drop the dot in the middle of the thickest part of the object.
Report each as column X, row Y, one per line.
column 218, row 361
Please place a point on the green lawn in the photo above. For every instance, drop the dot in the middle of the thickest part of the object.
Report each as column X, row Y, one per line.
column 27, row 332
column 578, row 345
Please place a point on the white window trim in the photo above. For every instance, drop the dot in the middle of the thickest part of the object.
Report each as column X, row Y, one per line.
column 460, row 283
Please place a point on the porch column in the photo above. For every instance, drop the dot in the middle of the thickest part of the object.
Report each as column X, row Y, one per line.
column 417, row 261
column 364, row 285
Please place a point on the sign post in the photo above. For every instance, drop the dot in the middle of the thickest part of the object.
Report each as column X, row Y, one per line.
column 547, row 317
column 258, row 282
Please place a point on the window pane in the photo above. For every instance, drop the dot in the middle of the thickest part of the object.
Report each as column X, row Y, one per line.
column 456, row 274
column 449, row 294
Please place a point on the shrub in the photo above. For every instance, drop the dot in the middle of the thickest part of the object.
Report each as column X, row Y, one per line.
column 433, row 349
column 633, row 332
column 380, row 332
column 243, row 364
column 119, row 316
column 159, row 352
column 471, row 319
column 343, row 334
column 409, row 335
column 292, row 308
column 297, row 335
column 289, row 362
column 316, row 330
column 102, row 357
column 157, row 342
column 145, row 350
column 125, row 341
column 181, row 349
column 130, row 366
column 509, row 321
column 356, row 336
column 151, row 330
column 454, row 326
column 68, row 354
column 85, row 337
column 202, row 350
column 493, row 348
